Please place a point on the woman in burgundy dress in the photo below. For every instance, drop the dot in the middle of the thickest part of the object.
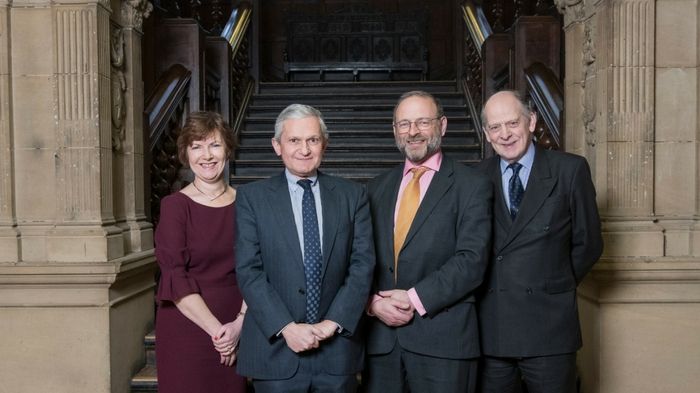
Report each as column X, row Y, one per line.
column 201, row 310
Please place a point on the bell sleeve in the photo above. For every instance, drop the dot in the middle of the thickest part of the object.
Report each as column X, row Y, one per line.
column 172, row 251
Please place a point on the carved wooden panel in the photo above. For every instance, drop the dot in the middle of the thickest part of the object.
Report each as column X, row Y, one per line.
column 275, row 39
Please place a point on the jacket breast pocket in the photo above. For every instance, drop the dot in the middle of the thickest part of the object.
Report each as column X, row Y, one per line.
column 560, row 285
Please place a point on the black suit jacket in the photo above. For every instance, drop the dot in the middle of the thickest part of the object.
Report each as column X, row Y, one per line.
column 527, row 306
column 444, row 258
column 270, row 272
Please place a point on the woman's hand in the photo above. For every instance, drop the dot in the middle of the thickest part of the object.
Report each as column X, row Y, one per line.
column 228, row 360
column 226, row 339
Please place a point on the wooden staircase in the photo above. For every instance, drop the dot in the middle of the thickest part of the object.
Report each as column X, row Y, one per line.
column 146, row 380
column 358, row 116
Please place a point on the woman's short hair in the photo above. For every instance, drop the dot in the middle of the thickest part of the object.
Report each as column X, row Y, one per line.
column 200, row 126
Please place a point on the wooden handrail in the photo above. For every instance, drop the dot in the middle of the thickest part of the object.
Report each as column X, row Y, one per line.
column 477, row 25
column 243, row 107
column 170, row 90
column 479, row 30
column 237, row 25
column 546, row 93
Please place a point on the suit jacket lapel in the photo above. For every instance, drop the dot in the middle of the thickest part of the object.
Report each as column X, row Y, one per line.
column 441, row 182
column 281, row 206
column 539, row 187
column 388, row 198
column 500, row 211
column 331, row 214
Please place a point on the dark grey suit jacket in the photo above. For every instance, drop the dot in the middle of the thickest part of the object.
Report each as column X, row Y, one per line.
column 270, row 274
column 444, row 258
column 527, row 306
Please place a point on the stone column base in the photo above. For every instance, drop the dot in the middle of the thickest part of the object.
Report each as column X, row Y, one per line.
column 75, row 327
column 640, row 319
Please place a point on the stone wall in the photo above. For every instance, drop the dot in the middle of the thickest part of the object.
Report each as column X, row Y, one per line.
column 631, row 108
column 76, row 250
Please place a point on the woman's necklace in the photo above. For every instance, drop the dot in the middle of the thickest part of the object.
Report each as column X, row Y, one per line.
column 208, row 196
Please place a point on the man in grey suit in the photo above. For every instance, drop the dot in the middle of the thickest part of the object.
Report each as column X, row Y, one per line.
column 304, row 258
column 423, row 336
column 546, row 238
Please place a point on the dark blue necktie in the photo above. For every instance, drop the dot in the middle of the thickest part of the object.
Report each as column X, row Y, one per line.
column 312, row 252
column 515, row 190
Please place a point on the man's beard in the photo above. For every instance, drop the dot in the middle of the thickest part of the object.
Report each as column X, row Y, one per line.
column 431, row 148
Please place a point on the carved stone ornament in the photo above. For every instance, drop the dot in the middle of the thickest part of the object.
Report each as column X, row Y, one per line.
column 589, row 93
column 134, row 12
column 118, row 88
column 573, row 10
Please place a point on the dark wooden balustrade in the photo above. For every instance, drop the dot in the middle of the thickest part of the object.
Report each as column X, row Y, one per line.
column 546, row 94
column 515, row 45
column 241, row 84
column 165, row 111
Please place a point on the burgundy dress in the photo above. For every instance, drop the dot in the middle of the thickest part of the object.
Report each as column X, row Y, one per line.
column 194, row 247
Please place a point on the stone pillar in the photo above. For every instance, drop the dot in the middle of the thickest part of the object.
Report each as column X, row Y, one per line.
column 677, row 179
column 631, row 96
column 127, row 125
column 76, row 289
column 9, row 237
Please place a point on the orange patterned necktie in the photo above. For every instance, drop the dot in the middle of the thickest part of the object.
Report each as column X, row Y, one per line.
column 407, row 211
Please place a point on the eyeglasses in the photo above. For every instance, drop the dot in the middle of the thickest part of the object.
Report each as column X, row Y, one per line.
column 511, row 125
column 422, row 124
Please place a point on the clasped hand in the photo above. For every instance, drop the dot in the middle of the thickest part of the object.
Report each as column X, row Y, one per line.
column 226, row 341
column 394, row 308
column 302, row 337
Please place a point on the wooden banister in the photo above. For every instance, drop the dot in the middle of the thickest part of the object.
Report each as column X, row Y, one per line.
column 169, row 92
column 165, row 111
column 546, row 93
column 235, row 29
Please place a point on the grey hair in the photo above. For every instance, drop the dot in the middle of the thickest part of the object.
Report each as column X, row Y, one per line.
column 524, row 106
column 423, row 94
column 299, row 111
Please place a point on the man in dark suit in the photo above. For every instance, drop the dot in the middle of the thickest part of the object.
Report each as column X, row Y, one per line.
column 423, row 336
column 546, row 238
column 304, row 258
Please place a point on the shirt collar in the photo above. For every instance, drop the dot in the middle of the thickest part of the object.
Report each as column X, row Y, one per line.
column 526, row 161
column 292, row 179
column 433, row 163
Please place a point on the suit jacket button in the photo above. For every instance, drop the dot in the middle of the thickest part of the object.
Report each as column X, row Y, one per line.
column 529, row 291
column 546, row 228
column 391, row 269
column 302, row 291
column 490, row 290
column 499, row 258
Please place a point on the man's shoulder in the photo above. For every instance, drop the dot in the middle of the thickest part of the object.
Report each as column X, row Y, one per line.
column 563, row 161
column 461, row 170
column 384, row 177
column 338, row 181
column 258, row 185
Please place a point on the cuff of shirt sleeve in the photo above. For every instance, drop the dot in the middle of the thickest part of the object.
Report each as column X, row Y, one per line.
column 415, row 301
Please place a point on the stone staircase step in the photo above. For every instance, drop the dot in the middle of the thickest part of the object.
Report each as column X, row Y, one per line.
column 379, row 137
column 331, row 111
column 335, row 151
column 353, row 123
column 358, row 116
column 341, row 167
column 396, row 87
column 346, row 99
